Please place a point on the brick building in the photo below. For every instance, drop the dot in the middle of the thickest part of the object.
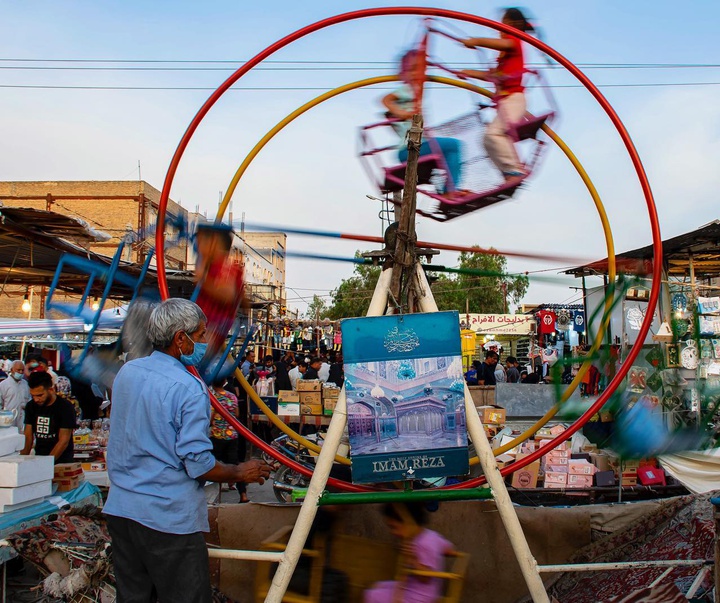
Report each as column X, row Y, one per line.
column 122, row 209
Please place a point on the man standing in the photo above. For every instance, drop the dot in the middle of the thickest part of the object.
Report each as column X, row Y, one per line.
column 15, row 393
column 248, row 364
column 297, row 373
column 313, row 370
column 513, row 374
column 49, row 420
column 486, row 374
column 159, row 457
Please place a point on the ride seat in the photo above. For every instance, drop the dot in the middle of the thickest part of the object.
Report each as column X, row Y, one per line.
column 395, row 175
column 530, row 124
column 453, row 576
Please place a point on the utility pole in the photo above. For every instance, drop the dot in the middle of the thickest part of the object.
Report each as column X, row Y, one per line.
column 404, row 257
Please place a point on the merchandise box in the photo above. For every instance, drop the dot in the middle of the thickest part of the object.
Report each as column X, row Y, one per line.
column 308, row 385
column 96, row 466
column 605, row 478
column 556, row 468
column 601, row 461
column 17, row 470
column 311, row 398
column 271, row 401
column 330, row 392
column 556, row 430
column 526, row 477
column 555, row 480
column 563, row 446
column 15, row 496
column 581, row 467
column 651, row 476
column 329, row 405
column 580, row 481
column 287, row 395
column 311, row 409
column 557, row 457
column 629, row 478
column 491, row 415
column 503, row 460
column 288, row 409
column 506, row 439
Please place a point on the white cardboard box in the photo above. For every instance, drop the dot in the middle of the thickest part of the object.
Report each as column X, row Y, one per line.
column 11, row 440
column 288, row 409
column 19, row 470
column 15, row 496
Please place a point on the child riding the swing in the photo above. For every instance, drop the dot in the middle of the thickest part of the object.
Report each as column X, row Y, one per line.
column 400, row 104
column 507, row 75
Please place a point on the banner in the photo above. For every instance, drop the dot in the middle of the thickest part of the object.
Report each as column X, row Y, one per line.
column 503, row 324
column 405, row 397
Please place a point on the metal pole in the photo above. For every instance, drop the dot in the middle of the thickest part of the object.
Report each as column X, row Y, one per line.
column 621, row 565
column 528, row 565
column 305, row 519
column 358, row 498
column 242, row 555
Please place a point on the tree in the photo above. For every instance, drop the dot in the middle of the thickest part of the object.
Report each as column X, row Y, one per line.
column 486, row 291
column 489, row 290
column 317, row 308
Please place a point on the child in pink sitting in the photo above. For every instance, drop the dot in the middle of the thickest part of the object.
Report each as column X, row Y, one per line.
column 421, row 549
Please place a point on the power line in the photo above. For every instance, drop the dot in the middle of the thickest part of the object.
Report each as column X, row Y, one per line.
column 326, row 88
column 325, row 62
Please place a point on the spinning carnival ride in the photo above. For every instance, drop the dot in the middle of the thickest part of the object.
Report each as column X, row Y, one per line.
column 388, row 177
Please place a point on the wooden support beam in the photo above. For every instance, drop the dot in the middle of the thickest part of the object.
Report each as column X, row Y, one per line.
column 404, row 257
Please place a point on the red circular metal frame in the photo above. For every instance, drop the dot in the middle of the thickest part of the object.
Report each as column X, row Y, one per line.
column 447, row 14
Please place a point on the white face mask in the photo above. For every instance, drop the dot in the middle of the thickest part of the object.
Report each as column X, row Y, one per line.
column 17, row 376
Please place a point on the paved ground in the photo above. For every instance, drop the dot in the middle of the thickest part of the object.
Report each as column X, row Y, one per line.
column 256, row 493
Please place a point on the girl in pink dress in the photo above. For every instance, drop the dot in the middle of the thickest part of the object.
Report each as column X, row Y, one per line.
column 422, row 549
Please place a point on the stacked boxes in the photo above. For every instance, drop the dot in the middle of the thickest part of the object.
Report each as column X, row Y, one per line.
column 68, row 476
column 310, row 391
column 288, row 403
column 24, row 480
column 330, row 394
column 580, row 473
column 555, row 463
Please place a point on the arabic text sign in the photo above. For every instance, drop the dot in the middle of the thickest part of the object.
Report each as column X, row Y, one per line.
column 503, row 324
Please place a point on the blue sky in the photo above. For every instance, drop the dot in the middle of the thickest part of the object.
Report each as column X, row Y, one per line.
column 309, row 175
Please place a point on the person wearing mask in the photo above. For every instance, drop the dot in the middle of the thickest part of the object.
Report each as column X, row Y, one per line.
column 159, row 457
column 15, row 393
column 486, row 373
column 296, row 374
column 49, row 420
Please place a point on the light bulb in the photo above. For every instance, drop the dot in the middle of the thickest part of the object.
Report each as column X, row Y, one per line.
column 95, row 305
column 26, row 304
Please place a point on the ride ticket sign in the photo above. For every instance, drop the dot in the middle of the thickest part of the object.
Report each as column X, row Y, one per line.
column 405, row 397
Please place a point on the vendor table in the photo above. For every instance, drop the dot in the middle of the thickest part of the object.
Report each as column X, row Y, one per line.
column 315, row 420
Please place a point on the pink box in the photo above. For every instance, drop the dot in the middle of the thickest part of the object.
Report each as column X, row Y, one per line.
column 579, row 481
column 557, row 458
column 556, row 468
column 563, row 447
column 555, row 480
column 581, row 467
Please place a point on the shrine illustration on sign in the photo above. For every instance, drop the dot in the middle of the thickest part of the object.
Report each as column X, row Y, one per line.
column 405, row 397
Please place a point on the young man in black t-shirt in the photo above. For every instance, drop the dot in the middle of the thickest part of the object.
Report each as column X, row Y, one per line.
column 49, row 420
column 486, row 372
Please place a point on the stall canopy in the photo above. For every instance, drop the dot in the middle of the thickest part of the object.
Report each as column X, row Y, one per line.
column 33, row 241
column 698, row 251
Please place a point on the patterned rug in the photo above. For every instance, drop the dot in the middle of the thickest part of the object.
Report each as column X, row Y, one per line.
column 682, row 528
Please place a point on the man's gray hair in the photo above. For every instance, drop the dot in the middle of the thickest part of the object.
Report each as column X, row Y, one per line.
column 173, row 315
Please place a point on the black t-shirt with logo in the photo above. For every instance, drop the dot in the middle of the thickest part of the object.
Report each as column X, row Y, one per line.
column 46, row 423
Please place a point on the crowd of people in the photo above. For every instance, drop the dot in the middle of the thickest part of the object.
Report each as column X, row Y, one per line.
column 491, row 371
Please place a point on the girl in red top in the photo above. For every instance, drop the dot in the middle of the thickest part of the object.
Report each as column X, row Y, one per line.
column 509, row 97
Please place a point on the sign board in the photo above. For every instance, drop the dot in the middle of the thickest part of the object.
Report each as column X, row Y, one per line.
column 405, row 397
column 499, row 324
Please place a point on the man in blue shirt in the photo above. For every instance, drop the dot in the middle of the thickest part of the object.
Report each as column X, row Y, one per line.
column 159, row 457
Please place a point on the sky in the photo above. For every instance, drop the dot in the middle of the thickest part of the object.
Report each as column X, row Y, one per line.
column 656, row 62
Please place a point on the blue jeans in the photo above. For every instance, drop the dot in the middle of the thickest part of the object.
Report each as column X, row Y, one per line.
column 451, row 148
